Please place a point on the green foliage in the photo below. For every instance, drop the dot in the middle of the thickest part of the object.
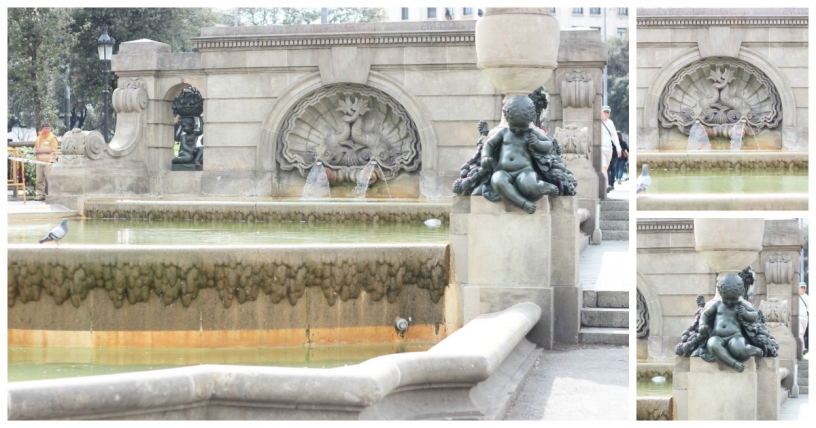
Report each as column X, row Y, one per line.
column 37, row 39
column 617, row 71
column 30, row 169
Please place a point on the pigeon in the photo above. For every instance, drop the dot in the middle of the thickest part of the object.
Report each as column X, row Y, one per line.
column 57, row 233
column 644, row 180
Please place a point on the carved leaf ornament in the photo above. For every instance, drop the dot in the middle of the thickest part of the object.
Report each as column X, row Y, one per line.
column 347, row 126
column 720, row 92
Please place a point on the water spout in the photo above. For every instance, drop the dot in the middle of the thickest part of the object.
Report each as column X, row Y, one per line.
column 317, row 183
column 736, row 135
column 698, row 137
column 363, row 180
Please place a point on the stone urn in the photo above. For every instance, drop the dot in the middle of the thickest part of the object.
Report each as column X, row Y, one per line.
column 729, row 245
column 517, row 48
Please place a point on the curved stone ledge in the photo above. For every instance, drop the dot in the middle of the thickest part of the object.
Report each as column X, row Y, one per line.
column 385, row 212
column 477, row 371
column 723, row 160
column 179, row 272
column 724, row 202
column 654, row 409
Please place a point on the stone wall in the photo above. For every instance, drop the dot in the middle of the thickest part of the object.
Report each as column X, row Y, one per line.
column 670, row 274
column 252, row 78
column 774, row 41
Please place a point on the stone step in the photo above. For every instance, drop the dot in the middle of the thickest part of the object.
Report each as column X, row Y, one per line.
column 803, row 365
column 614, row 215
column 609, row 336
column 615, row 235
column 605, row 317
column 803, row 390
column 606, row 299
column 610, row 205
column 804, row 381
column 608, row 225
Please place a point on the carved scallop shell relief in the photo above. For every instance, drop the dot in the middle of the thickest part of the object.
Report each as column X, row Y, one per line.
column 719, row 92
column 345, row 127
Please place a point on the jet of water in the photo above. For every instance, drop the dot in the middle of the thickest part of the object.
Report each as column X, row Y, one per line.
column 698, row 137
column 317, row 183
column 362, row 181
column 736, row 135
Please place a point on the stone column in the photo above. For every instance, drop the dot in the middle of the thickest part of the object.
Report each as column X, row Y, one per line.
column 575, row 103
column 502, row 256
column 568, row 293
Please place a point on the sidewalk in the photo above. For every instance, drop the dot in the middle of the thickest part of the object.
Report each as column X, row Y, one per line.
column 582, row 381
column 17, row 210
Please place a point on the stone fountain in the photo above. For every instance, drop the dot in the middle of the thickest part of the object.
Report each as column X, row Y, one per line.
column 721, row 380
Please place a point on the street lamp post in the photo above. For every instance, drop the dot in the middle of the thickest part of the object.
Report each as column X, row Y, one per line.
column 105, row 47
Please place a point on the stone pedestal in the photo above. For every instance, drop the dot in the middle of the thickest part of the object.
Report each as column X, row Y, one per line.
column 712, row 391
column 717, row 392
column 503, row 256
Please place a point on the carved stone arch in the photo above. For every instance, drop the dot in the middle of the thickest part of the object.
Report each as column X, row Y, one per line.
column 649, row 293
column 652, row 100
column 272, row 125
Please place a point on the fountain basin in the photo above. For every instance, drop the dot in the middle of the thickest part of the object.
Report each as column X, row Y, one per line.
column 172, row 296
column 473, row 374
column 723, row 202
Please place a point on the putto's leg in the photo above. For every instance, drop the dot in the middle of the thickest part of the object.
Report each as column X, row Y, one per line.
column 718, row 348
column 530, row 186
column 741, row 350
column 504, row 184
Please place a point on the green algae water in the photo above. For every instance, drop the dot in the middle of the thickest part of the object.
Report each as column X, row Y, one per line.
column 729, row 181
column 38, row 363
column 144, row 232
column 647, row 388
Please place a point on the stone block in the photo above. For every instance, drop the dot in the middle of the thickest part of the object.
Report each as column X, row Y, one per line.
column 458, row 224
column 613, row 299
column 768, row 405
column 179, row 61
column 236, row 110
column 458, row 133
column 717, row 392
column 590, row 299
column 789, row 56
column 653, row 57
column 267, row 58
column 460, row 204
column 231, row 135
column 425, row 55
column 229, row 158
column 605, row 317
column 678, row 262
column 443, row 82
column 224, row 59
column 261, row 85
column 224, row 183
column 459, row 248
column 486, row 299
column 674, row 326
column 797, row 77
column 179, row 183
column 461, row 55
column 507, row 246
column 565, row 239
column 567, row 304
column 465, row 108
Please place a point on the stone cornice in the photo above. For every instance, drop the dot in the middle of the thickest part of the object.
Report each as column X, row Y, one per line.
column 667, row 225
column 721, row 21
column 289, row 41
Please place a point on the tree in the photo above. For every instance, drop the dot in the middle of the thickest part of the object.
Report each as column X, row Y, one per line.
column 356, row 14
column 174, row 26
column 37, row 38
column 617, row 71
column 256, row 16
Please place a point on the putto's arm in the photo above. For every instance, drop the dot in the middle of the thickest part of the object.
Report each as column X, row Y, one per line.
column 747, row 312
column 705, row 318
column 542, row 143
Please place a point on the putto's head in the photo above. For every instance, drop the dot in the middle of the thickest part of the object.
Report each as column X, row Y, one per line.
column 519, row 112
column 731, row 288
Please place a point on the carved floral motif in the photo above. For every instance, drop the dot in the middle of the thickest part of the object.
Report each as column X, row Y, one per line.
column 574, row 142
column 642, row 316
column 779, row 269
column 577, row 89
